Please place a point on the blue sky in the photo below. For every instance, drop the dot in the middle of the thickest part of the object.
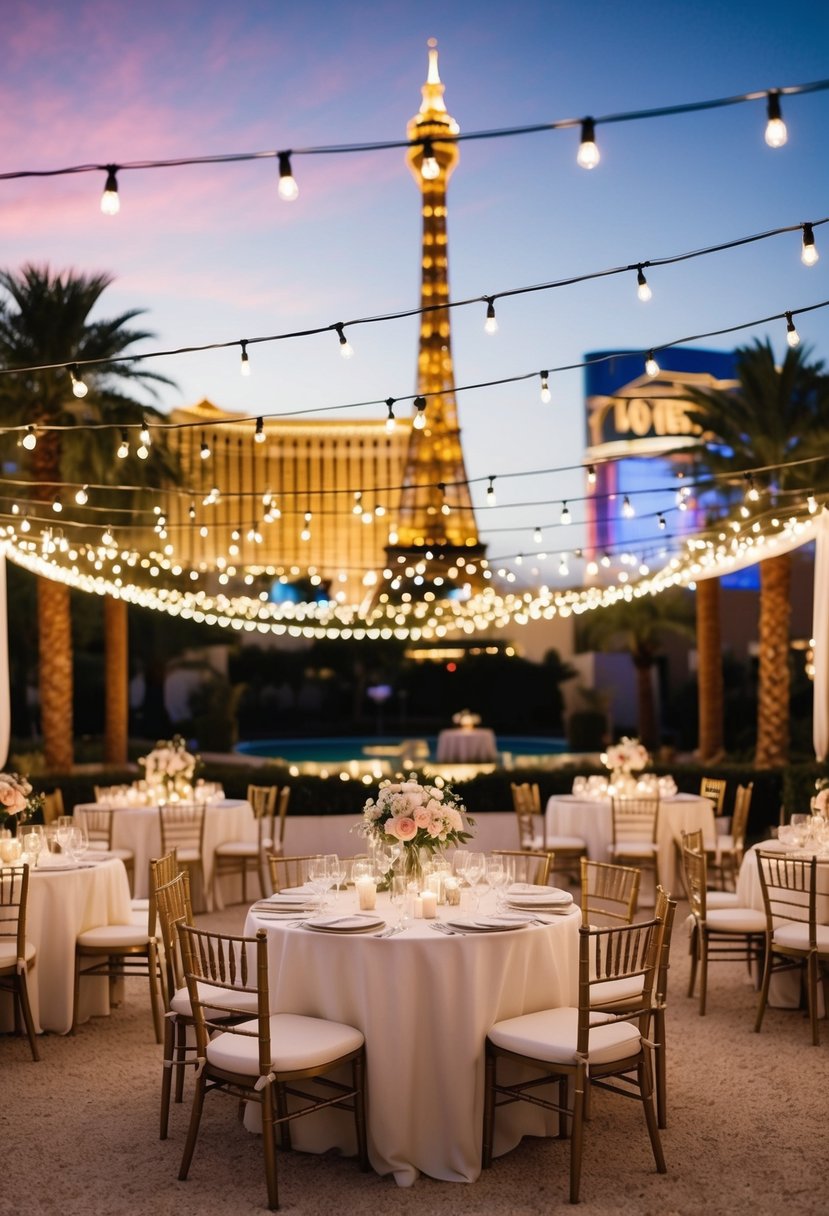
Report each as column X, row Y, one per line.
column 213, row 254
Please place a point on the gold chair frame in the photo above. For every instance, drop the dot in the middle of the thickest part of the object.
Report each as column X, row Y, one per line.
column 535, row 866
column 713, row 788
column 635, row 822
column 609, row 890
column 14, row 897
column 289, row 871
column 237, row 857
column 100, row 827
column 182, row 832
column 526, row 802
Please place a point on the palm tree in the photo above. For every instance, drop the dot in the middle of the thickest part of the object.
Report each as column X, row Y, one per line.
column 773, row 417
column 45, row 323
column 709, row 670
column 639, row 625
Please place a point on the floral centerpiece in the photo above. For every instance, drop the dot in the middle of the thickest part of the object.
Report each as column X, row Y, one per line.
column 17, row 802
column 417, row 817
column 820, row 802
column 625, row 758
column 465, row 717
column 170, row 770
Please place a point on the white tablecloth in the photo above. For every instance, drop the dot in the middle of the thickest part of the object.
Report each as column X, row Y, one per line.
column 138, row 828
column 424, row 1002
column 62, row 904
column 593, row 821
column 467, row 745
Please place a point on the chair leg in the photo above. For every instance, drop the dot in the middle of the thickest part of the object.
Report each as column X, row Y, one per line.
column 703, row 972
column 489, row 1110
column 77, row 993
column 694, row 950
column 269, row 1146
column 155, row 1000
column 181, row 1057
column 811, row 983
column 358, row 1074
column 193, row 1129
column 660, row 1070
column 646, row 1090
column 282, row 1111
column 764, row 991
column 577, row 1137
column 26, row 1013
column 167, row 1075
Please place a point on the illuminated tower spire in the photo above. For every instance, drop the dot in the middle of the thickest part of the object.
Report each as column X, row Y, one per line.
column 436, row 527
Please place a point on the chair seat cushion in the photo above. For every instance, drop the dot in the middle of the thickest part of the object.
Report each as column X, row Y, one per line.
column 634, row 848
column 185, row 855
column 796, row 936
column 736, row 920
column 720, row 899
column 613, row 992
column 116, row 936
column 551, row 1035
column 8, row 954
column 297, row 1042
column 565, row 842
column 101, row 846
column 244, row 1001
column 238, row 848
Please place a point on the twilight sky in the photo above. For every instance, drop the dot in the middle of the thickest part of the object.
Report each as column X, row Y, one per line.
column 213, row 254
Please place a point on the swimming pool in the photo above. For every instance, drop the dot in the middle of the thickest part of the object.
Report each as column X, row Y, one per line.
column 342, row 749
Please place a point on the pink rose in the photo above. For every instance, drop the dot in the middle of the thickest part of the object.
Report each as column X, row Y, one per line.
column 405, row 827
column 822, row 801
column 422, row 817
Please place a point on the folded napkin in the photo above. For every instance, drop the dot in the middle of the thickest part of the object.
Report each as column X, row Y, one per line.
column 356, row 922
column 531, row 895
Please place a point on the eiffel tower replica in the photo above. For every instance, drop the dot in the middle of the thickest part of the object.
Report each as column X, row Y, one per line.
column 437, row 536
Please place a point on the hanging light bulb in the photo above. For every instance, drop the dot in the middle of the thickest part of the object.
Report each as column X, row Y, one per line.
column 204, row 450
column 244, row 366
column 288, row 189
column 259, row 434
column 643, row 291
column 660, row 519
column 346, row 349
column 651, row 366
column 491, row 322
column 124, row 446
column 792, row 336
column 490, row 493
column 563, row 568
column 391, row 421
column 29, row 440
column 537, row 537
column 81, row 496
column 25, row 526
column 776, row 133
column 627, row 508
column 57, row 506
column 591, row 475
column 565, row 514
column 808, row 251
column 142, row 451
column 545, row 387
column 192, row 510
column 144, row 433
column 78, row 387
column 357, row 509
column 429, row 167
column 107, row 538
column 588, row 154
column 752, row 493
column 811, row 503
column 420, row 417
column 305, row 534
column 110, row 202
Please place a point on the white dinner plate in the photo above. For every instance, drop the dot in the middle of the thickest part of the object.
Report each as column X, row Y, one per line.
column 356, row 922
column 487, row 924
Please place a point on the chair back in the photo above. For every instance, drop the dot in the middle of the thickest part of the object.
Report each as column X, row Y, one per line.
column 619, row 952
column 693, row 840
column 739, row 818
column 162, row 870
column 282, row 814
column 608, row 892
column 528, row 866
column 790, row 887
column 182, row 827
column 713, row 788
column 174, row 908
column 217, row 967
column 262, row 799
column 635, row 820
column 98, row 824
column 53, row 806
column 665, row 911
column 14, row 894
column 526, row 802
column 695, row 871
column 289, row 871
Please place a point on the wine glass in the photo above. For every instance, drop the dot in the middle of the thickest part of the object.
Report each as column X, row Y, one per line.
column 64, row 832
column 399, row 899
column 801, row 824
column 474, row 871
column 33, row 841
column 318, row 878
column 460, row 861
column 337, row 871
column 80, row 841
column 496, row 879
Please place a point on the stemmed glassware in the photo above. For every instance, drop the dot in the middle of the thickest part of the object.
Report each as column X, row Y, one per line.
column 65, row 827
column 399, row 899
column 318, row 878
column 33, row 841
column 80, row 841
column 474, row 871
column 496, row 875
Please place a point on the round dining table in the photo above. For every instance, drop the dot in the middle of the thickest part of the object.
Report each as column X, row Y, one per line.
column 65, row 899
column 424, row 1001
column 467, row 745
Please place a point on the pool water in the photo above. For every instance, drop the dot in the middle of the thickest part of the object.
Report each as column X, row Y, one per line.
column 364, row 747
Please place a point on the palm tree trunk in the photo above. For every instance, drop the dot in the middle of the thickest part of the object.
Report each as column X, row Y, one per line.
column 773, row 690
column 55, row 639
column 709, row 670
column 648, row 725
column 116, row 668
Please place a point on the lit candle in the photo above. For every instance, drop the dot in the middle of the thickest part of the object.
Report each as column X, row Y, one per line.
column 429, row 904
column 417, row 907
column 453, row 890
column 436, row 882
column 366, row 889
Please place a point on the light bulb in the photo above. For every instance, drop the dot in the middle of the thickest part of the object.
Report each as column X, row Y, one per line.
column 142, row 452
column 144, row 433
column 81, row 496
column 491, row 322
column 588, row 154
column 545, row 388
column 643, row 291
column 537, row 537
column 651, row 366
column 25, row 526
column 57, row 506
column 110, row 202
column 346, row 349
column 288, row 189
column 563, row 568
column 259, row 434
column 390, row 420
column 776, row 133
column 204, row 451
column 429, row 167
column 245, row 363
column 565, row 514
column 591, row 475
column 78, row 387
column 420, row 417
column 627, row 508
column 124, row 446
column 660, row 519
column 792, row 336
column 490, row 493
column 811, row 503
column 29, row 440
column 808, row 251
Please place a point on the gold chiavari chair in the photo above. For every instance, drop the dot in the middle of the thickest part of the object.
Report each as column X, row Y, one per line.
column 578, row 1047
column 714, row 897
column 100, row 825
column 730, row 846
column 796, row 900
column 635, row 828
column 17, row 955
column 238, row 856
column 568, row 850
column 182, row 830
column 53, row 806
column 609, row 893
column 289, row 871
column 713, row 788
column 527, row 865
column 268, row 1058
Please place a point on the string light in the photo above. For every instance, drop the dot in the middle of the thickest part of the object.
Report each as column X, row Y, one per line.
column 545, row 387
column 811, row 504
column 357, row 509
column 305, row 534
column 391, row 421
column 643, row 291
column 776, row 133
column 490, row 493
column 110, row 202
column 491, row 322
column 792, row 336
column 29, row 440
column 627, row 508
column 565, row 514
column 346, row 349
column 591, row 475
column 259, row 434
column 82, row 496
column 660, row 520
column 78, row 387
column 143, row 451
column 420, row 415
column 537, row 536
column 651, row 366
column 429, row 167
column 192, row 510
column 288, row 189
column 588, row 154
column 808, row 252
column 563, row 568
column 244, row 365
column 752, row 493
column 204, row 451
column 124, row 446
column 57, row 506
